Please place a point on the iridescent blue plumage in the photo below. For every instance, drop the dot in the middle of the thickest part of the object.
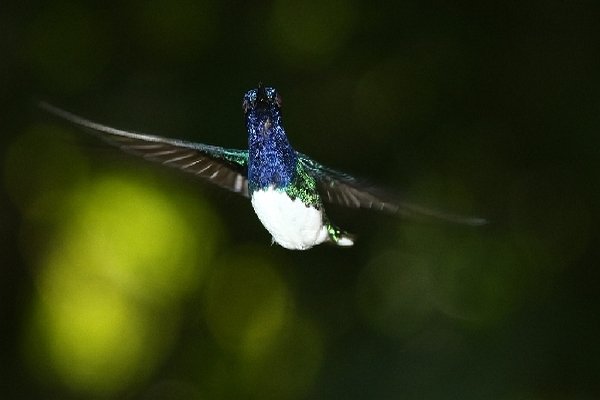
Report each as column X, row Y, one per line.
column 271, row 159
column 286, row 188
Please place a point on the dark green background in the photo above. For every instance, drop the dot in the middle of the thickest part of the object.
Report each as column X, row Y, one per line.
column 489, row 109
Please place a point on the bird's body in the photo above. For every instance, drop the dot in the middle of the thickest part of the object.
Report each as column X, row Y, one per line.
column 286, row 188
column 284, row 196
column 293, row 224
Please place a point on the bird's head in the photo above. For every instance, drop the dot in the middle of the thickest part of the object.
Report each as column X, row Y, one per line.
column 262, row 100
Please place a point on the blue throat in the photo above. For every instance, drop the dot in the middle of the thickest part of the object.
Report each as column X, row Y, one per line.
column 271, row 161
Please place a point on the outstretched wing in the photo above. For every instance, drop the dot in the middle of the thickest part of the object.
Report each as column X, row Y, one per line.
column 224, row 167
column 340, row 188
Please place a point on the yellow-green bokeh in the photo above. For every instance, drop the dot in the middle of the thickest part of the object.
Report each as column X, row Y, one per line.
column 289, row 366
column 311, row 32
column 139, row 237
column 120, row 253
column 395, row 293
column 175, row 29
column 394, row 92
column 91, row 336
column 247, row 302
column 250, row 312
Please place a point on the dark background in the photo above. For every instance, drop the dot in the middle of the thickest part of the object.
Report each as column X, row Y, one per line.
column 121, row 279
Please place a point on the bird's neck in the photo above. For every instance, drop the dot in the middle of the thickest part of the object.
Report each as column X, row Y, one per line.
column 272, row 160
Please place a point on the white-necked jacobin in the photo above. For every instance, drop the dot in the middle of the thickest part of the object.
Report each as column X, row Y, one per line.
column 286, row 188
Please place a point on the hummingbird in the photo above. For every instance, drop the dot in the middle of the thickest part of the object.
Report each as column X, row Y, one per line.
column 287, row 189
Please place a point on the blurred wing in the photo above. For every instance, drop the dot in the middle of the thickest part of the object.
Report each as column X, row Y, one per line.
column 224, row 167
column 340, row 188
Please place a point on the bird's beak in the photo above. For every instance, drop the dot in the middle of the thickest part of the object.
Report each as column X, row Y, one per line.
column 261, row 96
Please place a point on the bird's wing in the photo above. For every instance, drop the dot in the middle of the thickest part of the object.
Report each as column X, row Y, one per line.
column 340, row 188
column 224, row 167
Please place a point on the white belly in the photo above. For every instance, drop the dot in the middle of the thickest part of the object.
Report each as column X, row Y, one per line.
column 292, row 224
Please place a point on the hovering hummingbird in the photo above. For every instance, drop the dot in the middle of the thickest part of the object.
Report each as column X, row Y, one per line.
column 286, row 188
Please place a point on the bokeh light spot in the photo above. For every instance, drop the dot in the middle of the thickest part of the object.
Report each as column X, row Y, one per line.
column 97, row 339
column 312, row 32
column 176, row 28
column 289, row 368
column 247, row 303
column 395, row 293
column 250, row 313
column 393, row 92
column 476, row 275
column 140, row 238
column 476, row 281
column 121, row 255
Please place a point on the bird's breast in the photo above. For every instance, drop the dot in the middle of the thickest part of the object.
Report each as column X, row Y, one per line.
column 292, row 224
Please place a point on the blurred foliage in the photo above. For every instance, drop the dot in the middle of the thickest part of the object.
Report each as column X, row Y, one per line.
column 121, row 279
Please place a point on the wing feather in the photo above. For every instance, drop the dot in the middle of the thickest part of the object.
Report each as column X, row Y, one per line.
column 226, row 168
column 343, row 189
